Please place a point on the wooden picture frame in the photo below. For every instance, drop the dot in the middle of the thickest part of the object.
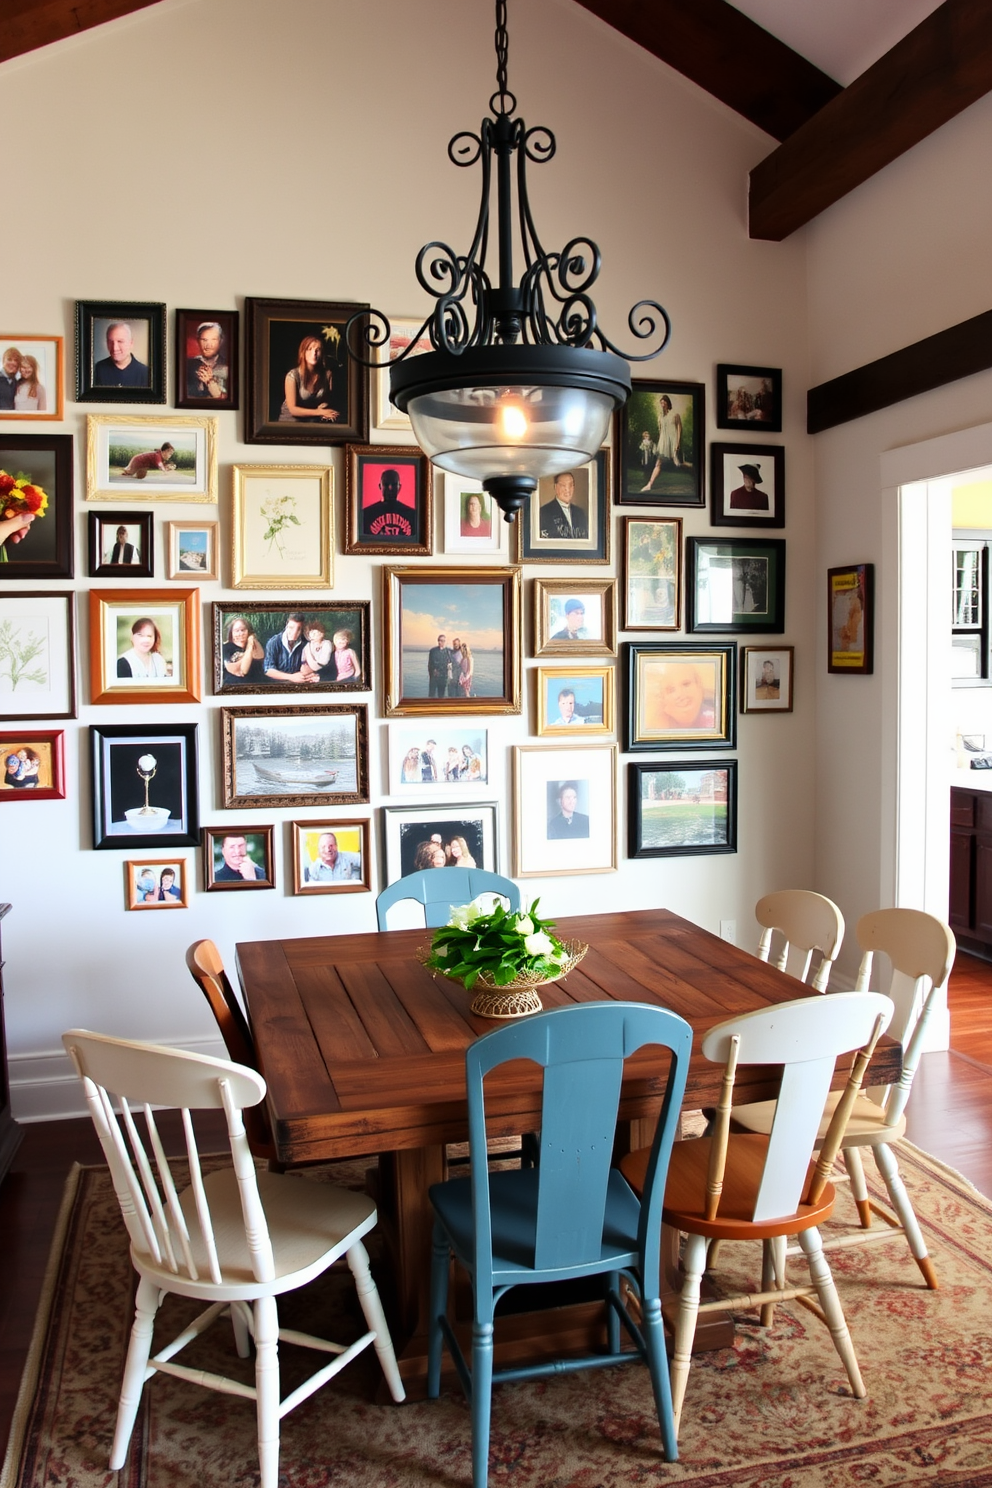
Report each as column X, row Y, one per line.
column 735, row 586
column 565, row 804
column 206, row 360
column 296, row 755
column 575, row 617
column 238, row 858
column 336, row 410
column 749, row 398
column 681, row 695
column 145, row 785
column 385, row 414
column 282, row 525
column 32, row 765
column 341, row 867
column 123, row 668
column 389, row 501
column 173, row 458
column 156, row 883
column 675, row 476
column 575, row 698
column 851, row 619
column 684, row 808
column 766, row 678
column 34, row 364
column 747, row 485
column 128, row 537
column 473, row 523
column 120, row 351
column 466, row 828
column 44, row 550
column 192, row 550
column 37, row 655
column 652, row 573
column 567, row 519
column 265, row 622
column 449, row 757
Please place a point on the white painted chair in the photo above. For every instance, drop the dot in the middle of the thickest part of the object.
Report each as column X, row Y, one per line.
column 236, row 1237
column 808, row 922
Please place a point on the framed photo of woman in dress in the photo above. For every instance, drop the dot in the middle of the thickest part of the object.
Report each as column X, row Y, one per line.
column 303, row 385
column 144, row 645
column 661, row 438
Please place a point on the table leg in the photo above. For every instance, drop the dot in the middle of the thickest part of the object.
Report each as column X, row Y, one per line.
column 404, row 1178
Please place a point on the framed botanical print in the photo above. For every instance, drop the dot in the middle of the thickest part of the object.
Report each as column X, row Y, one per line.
column 473, row 522
column 652, row 573
column 564, row 809
column 389, row 501
column 238, row 858
column 122, row 545
column 331, row 857
column 295, row 755
column 156, row 883
column 206, row 360
column 575, row 698
column 575, row 618
column 661, row 439
column 385, row 414
column 749, row 398
column 851, row 618
column 281, row 527
column 303, row 649
column 120, row 351
column 36, row 511
column 439, row 757
column 191, row 550
column 681, row 809
column 304, row 387
column 145, row 785
column 151, row 459
column 448, row 836
column 766, row 679
column 681, row 695
column 747, row 485
column 33, row 765
column 735, row 585
column 144, row 646
column 30, row 376
column 567, row 520
column 37, row 655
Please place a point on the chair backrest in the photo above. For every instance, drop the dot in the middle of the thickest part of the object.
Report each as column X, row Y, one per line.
column 207, row 970
column 582, row 1049
column 137, row 1077
column 808, row 922
column 437, row 889
column 805, row 1037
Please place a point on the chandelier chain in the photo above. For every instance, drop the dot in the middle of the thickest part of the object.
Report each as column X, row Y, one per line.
column 502, row 59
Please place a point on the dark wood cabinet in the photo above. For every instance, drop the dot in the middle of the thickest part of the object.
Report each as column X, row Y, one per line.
column 970, row 899
column 10, row 1132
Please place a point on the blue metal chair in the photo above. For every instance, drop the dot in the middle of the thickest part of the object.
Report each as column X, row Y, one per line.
column 437, row 889
column 573, row 1215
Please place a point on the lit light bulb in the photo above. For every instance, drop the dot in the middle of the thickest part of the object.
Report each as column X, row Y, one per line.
column 513, row 420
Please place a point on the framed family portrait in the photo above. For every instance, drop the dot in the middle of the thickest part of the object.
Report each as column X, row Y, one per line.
column 652, row 573
column 192, row 550
column 36, row 482
column 385, row 414
column 206, row 359
column 281, row 527
column 121, row 545
column 439, row 837
column 766, row 679
column 296, row 755
column 33, row 765
column 564, row 809
column 735, row 585
column 37, row 655
column 155, row 883
column 238, row 858
column 747, row 485
column 145, row 786
column 749, row 398
column 452, row 640
column 575, row 618
column 662, row 433
column 148, row 459
column 308, row 648
column 303, row 386
column 144, row 646
column 331, row 857
column 389, row 501
column 567, row 519
column 851, row 618
column 473, row 523
column 31, row 377
column 432, row 758
column 120, row 351
column 681, row 809
column 681, row 695
column 575, row 697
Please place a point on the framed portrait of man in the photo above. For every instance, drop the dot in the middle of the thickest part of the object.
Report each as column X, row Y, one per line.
column 331, row 857
column 206, row 359
column 567, row 520
column 389, row 497
column 120, row 351
column 564, row 809
column 238, row 858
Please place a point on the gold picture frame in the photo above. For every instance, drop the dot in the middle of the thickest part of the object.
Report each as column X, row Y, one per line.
column 351, row 872
column 575, row 702
column 122, row 667
column 575, row 617
column 188, row 545
column 193, row 473
column 282, row 520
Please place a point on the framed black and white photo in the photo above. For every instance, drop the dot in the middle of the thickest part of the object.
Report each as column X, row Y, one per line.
column 296, row 756
column 144, row 785
column 303, row 386
column 36, row 482
column 766, row 679
column 567, row 519
column 681, row 809
column 735, row 586
column 437, row 757
column 37, row 655
column 262, row 647
column 661, row 436
column 331, row 857
column 121, row 545
column 681, row 695
column 238, row 858
column 120, row 351
column 448, row 836
column 749, row 398
column 747, row 485
column 564, row 809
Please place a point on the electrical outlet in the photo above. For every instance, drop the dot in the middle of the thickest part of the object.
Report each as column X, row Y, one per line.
column 728, row 931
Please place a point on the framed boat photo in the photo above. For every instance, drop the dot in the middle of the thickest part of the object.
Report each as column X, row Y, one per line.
column 296, row 756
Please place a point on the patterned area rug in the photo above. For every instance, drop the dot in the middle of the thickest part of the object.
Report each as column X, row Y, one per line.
column 772, row 1412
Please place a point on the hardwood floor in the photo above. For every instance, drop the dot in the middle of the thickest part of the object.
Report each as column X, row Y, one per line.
column 950, row 1115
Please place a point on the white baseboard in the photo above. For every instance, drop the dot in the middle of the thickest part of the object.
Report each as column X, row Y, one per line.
column 45, row 1087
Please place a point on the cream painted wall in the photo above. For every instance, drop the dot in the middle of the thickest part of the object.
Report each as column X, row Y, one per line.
column 204, row 150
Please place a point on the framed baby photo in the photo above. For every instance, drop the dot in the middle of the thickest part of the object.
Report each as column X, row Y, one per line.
column 192, row 550
column 652, row 573
column 120, row 351
column 145, row 786
column 144, row 646
column 33, row 765
column 452, row 640
column 448, row 836
column 747, row 485
column 662, row 433
column 389, row 505
column 238, row 858
column 303, row 386
column 439, row 757
column 37, row 655
column 30, row 376
column 570, row 698
column 473, row 523
column 385, row 414
column 155, row 883
column 766, row 679
column 281, row 527
column 206, row 360
column 681, row 695
column 295, row 755
column 735, row 585
column 149, row 459
column 564, row 809
column 36, row 485
column 575, row 618
column 749, row 398
column 567, row 519
column 681, row 809
column 303, row 649
column 851, row 618
column 331, row 857
column 121, row 545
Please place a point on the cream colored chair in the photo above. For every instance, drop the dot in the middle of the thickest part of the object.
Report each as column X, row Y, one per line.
column 808, row 922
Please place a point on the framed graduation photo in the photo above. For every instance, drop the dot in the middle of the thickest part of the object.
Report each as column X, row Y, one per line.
column 747, row 485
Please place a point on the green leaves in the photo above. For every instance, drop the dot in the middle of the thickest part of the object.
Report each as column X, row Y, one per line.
column 495, row 943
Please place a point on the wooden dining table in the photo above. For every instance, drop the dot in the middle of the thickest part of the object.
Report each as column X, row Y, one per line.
column 363, row 1052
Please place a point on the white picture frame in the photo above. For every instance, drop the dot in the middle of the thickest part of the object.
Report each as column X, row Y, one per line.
column 558, row 837
column 465, row 746
column 37, row 656
column 493, row 539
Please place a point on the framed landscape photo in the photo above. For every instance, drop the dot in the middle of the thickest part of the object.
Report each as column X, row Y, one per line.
column 564, row 809
column 261, row 647
column 121, row 545
column 851, row 618
column 473, row 523
column 151, row 459
column 206, row 360
column 575, row 617
column 192, row 550
column 389, row 501
column 144, row 646
column 37, row 655
column 120, row 351
column 33, row 765
column 238, row 858
column 749, row 398
column 681, row 809
column 681, row 695
column 567, row 519
column 747, row 485
column 145, row 786
column 155, row 883
column 662, row 432
column 303, row 386
column 36, row 480
column 452, row 640
column 652, row 573
column 331, row 857
column 571, row 698
column 31, row 376
column 766, row 679
column 385, row 414
column 439, row 756
column 281, row 527
column 735, row 585
column 448, row 836
column 296, row 756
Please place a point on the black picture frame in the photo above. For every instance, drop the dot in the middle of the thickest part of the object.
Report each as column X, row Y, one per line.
column 851, row 619
column 650, row 835
column 46, row 551
column 146, row 322
column 138, row 550
column 726, row 594
column 392, row 517
column 119, row 785
column 736, row 503
column 680, row 695
column 636, row 436
column 267, row 619
column 276, row 330
column 749, row 398
column 223, row 390
column 541, row 539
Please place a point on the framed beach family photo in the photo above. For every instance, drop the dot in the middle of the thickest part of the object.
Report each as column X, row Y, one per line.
column 137, row 458
column 389, row 501
column 144, row 645
column 37, row 655
column 144, row 785
column 681, row 695
column 564, row 809
column 36, row 482
column 567, row 519
column 31, row 377
column 260, row 647
column 331, row 857
column 120, row 351
column 681, row 809
column 282, row 523
column 33, row 765
column 303, row 386
column 448, row 836
column 661, row 438
column 296, row 755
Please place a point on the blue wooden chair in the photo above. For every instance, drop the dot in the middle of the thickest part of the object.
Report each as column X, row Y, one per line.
column 437, row 889
column 574, row 1214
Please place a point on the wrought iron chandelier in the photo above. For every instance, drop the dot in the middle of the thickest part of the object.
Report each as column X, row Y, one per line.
column 521, row 382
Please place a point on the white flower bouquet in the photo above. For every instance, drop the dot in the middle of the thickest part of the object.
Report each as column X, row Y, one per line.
column 483, row 943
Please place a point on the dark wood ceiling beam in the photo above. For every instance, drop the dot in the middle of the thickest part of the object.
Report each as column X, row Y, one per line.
column 728, row 54
column 935, row 72
column 36, row 23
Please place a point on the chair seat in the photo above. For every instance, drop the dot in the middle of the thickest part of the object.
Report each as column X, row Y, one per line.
column 866, row 1127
